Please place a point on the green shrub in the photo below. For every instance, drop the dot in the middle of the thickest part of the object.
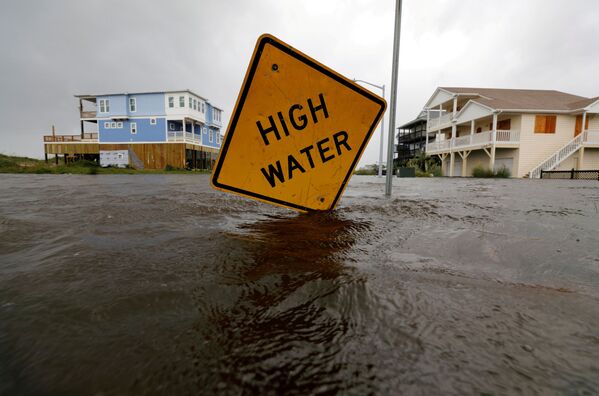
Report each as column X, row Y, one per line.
column 481, row 171
column 503, row 172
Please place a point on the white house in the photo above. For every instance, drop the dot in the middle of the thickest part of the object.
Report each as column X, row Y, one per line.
column 524, row 130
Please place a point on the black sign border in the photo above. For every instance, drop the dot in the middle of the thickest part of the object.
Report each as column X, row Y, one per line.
column 262, row 42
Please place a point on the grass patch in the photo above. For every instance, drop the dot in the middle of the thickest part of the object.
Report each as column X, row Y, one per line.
column 484, row 172
column 14, row 164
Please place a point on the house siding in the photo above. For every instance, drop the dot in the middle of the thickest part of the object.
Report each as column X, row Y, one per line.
column 536, row 147
column 146, row 132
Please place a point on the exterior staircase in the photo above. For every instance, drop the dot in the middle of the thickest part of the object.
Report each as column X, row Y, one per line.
column 558, row 157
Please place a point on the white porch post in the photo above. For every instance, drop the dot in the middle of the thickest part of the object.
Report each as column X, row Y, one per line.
column 584, row 120
column 493, row 142
column 581, row 159
column 471, row 130
column 455, row 106
column 193, row 131
column 183, row 123
column 428, row 118
column 451, row 148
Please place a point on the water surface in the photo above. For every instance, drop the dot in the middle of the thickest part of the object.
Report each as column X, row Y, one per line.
column 120, row 284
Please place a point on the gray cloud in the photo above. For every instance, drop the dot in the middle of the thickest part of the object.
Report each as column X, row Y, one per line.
column 55, row 49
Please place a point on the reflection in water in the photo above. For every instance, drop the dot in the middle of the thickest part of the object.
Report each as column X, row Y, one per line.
column 282, row 325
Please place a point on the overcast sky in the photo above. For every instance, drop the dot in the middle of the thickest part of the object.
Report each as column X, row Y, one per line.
column 52, row 50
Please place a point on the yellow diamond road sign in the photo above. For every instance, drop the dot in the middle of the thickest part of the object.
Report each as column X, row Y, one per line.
column 297, row 131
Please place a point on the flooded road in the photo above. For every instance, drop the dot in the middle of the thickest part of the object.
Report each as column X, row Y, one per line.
column 156, row 284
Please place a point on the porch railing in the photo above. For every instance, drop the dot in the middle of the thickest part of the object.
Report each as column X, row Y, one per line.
column 184, row 137
column 477, row 139
column 87, row 137
column 443, row 120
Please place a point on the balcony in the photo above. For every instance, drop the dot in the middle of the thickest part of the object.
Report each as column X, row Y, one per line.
column 475, row 141
column 184, row 137
column 440, row 122
column 86, row 138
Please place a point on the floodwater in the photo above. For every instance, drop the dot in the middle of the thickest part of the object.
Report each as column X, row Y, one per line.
column 156, row 284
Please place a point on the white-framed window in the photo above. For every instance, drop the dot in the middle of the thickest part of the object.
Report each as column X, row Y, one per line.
column 133, row 128
column 181, row 101
column 113, row 125
column 211, row 136
column 218, row 138
column 171, row 126
column 119, row 124
column 152, row 121
column 190, row 103
column 132, row 105
column 104, row 105
column 204, row 130
column 195, row 104
column 202, row 107
column 107, row 125
column 171, row 102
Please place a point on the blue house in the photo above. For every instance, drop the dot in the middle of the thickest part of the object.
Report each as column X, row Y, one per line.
column 151, row 129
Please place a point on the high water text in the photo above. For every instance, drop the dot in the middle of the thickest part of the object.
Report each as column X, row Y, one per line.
column 309, row 157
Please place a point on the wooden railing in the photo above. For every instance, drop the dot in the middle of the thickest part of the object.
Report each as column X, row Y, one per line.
column 87, row 137
column 88, row 114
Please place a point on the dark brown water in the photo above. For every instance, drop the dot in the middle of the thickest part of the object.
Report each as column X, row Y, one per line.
column 158, row 285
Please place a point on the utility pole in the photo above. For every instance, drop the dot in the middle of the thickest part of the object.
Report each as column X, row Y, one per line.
column 381, row 87
column 396, row 35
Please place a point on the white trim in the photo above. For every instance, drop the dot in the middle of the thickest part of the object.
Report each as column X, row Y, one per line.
column 107, row 125
column 133, row 128
column 153, row 121
column 169, row 102
column 119, row 125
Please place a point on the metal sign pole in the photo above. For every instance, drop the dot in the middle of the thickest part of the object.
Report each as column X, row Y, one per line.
column 391, row 141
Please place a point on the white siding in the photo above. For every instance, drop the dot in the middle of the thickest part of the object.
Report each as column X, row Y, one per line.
column 473, row 111
column 439, row 98
column 185, row 111
column 537, row 147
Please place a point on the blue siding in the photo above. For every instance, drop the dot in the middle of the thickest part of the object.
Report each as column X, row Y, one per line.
column 206, row 137
column 146, row 132
column 208, row 113
column 147, row 105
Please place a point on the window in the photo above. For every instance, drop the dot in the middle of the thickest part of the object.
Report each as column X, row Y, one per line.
column 218, row 138
column 181, row 101
column 104, row 106
column 171, row 102
column 504, row 125
column 211, row 136
column 113, row 125
column 202, row 107
column 107, row 125
column 195, row 104
column 545, row 124
column 119, row 124
column 190, row 103
column 152, row 121
column 133, row 127
column 171, row 126
column 132, row 105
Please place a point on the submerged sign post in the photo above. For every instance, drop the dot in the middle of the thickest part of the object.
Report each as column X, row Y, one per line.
column 297, row 131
